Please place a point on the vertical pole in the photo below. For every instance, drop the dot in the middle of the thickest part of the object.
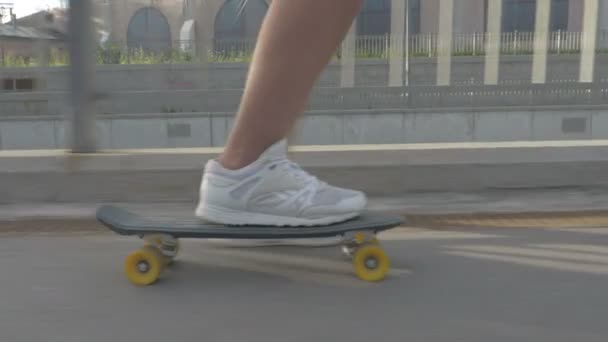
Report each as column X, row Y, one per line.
column 347, row 79
column 588, row 45
column 81, row 77
column 541, row 38
column 407, row 43
column 493, row 42
column 444, row 45
column 396, row 43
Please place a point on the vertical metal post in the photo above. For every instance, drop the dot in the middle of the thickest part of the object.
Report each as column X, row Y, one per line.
column 347, row 79
column 588, row 45
column 603, row 25
column 81, row 76
column 444, row 43
column 493, row 42
column 541, row 40
column 407, row 43
column 395, row 78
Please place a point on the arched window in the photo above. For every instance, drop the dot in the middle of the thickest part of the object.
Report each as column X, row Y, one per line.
column 240, row 19
column 149, row 30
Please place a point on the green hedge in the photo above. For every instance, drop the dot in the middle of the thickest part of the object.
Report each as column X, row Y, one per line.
column 118, row 55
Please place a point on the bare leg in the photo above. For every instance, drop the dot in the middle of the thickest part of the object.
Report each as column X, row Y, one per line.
column 246, row 186
column 296, row 41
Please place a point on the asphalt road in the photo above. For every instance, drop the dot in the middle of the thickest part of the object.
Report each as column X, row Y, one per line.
column 486, row 285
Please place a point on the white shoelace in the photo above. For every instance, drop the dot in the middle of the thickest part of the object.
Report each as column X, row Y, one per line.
column 294, row 169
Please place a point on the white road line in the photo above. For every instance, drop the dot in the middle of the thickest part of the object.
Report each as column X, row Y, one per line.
column 405, row 235
column 540, row 263
column 575, row 248
column 535, row 253
column 591, row 230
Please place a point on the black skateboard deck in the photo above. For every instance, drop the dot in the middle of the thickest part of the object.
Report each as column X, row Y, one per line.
column 125, row 222
column 144, row 266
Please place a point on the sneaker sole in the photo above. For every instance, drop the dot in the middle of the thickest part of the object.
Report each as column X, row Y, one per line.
column 240, row 218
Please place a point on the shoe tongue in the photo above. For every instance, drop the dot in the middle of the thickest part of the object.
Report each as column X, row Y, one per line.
column 277, row 150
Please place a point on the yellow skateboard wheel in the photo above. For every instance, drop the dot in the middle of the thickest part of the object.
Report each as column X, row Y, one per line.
column 371, row 263
column 143, row 267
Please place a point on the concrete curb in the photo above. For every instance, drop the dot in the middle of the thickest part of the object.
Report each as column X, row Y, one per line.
column 173, row 175
column 477, row 153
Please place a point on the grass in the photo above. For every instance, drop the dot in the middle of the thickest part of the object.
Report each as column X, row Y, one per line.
column 115, row 55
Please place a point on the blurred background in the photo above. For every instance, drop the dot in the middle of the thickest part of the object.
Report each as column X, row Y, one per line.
column 483, row 122
column 169, row 73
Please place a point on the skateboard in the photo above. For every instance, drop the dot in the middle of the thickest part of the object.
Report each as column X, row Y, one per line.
column 161, row 235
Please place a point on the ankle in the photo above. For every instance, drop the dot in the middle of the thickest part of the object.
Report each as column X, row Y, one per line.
column 236, row 159
column 231, row 162
column 238, row 156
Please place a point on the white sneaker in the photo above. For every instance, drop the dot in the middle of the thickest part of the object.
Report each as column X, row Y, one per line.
column 273, row 191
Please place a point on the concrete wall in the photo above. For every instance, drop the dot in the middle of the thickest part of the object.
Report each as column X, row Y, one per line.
column 173, row 175
column 122, row 12
column 469, row 16
column 204, row 14
column 465, row 70
column 575, row 16
column 467, row 98
column 429, row 16
column 320, row 128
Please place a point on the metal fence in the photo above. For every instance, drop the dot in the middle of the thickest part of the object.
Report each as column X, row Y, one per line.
column 336, row 100
column 471, row 44
column 425, row 44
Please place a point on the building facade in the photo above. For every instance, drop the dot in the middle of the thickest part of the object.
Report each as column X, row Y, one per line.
column 157, row 24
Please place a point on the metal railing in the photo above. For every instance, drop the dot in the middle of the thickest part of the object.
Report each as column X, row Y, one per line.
column 471, row 44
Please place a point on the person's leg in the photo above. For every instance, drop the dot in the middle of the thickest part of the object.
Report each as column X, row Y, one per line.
column 296, row 41
column 253, row 182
